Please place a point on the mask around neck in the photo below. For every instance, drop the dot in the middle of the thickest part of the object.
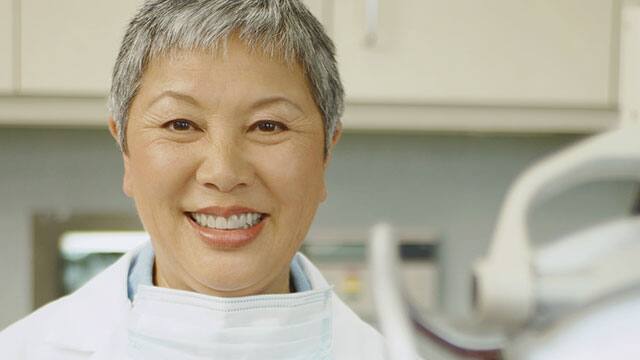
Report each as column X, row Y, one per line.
column 174, row 324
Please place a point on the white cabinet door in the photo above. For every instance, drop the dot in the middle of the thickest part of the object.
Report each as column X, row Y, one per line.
column 69, row 46
column 6, row 46
column 505, row 52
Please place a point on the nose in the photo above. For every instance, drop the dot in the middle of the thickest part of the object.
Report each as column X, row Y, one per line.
column 224, row 166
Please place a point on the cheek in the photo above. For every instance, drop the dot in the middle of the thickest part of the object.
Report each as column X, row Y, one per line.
column 159, row 173
column 296, row 177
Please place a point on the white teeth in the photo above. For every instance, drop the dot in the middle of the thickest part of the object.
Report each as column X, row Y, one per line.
column 242, row 221
column 221, row 223
column 211, row 221
column 233, row 222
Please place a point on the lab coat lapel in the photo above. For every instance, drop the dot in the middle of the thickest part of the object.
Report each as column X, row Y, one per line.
column 97, row 309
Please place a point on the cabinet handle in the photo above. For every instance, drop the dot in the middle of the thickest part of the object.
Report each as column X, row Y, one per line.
column 371, row 10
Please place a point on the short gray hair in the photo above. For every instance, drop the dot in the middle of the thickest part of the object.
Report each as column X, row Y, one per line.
column 277, row 27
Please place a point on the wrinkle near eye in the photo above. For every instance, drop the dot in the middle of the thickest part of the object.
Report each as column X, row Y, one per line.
column 152, row 119
column 292, row 121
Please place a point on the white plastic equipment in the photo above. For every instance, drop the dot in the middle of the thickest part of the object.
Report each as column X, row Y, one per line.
column 514, row 277
column 506, row 279
column 591, row 278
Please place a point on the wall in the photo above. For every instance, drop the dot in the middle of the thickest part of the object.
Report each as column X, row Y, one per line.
column 453, row 183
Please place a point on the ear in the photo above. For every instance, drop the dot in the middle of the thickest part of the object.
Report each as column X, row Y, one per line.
column 113, row 129
column 336, row 137
column 127, row 187
column 337, row 134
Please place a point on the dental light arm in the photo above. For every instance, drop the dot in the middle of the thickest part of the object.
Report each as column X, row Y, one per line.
column 504, row 279
column 384, row 257
column 589, row 265
column 394, row 311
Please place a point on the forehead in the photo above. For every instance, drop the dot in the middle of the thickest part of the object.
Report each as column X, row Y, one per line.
column 231, row 70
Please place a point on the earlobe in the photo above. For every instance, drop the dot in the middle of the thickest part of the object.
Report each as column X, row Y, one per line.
column 337, row 134
column 127, row 187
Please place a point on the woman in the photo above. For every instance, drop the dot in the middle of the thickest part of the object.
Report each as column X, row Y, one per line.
column 226, row 113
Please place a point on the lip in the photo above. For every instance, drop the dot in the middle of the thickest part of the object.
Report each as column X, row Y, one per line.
column 227, row 239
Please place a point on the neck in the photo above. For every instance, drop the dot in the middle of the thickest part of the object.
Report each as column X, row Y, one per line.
column 282, row 284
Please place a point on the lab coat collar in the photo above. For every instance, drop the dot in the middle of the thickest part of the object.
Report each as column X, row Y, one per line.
column 98, row 312
column 314, row 275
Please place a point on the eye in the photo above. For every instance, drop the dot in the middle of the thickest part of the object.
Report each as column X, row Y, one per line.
column 179, row 125
column 269, row 126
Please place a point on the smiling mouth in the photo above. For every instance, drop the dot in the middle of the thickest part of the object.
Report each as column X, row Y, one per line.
column 233, row 222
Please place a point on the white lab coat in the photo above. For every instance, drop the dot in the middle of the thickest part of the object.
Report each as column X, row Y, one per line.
column 91, row 323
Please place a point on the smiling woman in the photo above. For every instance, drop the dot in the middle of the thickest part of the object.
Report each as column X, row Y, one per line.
column 227, row 113
column 214, row 135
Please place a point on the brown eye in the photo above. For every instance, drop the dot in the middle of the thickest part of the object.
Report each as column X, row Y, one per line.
column 270, row 126
column 179, row 125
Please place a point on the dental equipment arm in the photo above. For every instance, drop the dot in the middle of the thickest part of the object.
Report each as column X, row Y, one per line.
column 396, row 315
column 506, row 285
column 505, row 291
column 384, row 257
column 589, row 265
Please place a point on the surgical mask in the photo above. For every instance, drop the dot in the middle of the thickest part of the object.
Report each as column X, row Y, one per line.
column 181, row 325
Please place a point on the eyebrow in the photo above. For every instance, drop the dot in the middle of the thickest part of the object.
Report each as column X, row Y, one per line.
column 176, row 95
column 257, row 104
column 276, row 99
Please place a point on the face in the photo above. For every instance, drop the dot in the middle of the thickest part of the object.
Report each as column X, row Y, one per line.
column 224, row 134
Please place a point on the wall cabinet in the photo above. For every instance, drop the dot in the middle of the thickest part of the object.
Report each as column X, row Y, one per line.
column 69, row 46
column 6, row 46
column 504, row 52
column 455, row 65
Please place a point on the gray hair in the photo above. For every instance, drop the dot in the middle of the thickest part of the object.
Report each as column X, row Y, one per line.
column 277, row 27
